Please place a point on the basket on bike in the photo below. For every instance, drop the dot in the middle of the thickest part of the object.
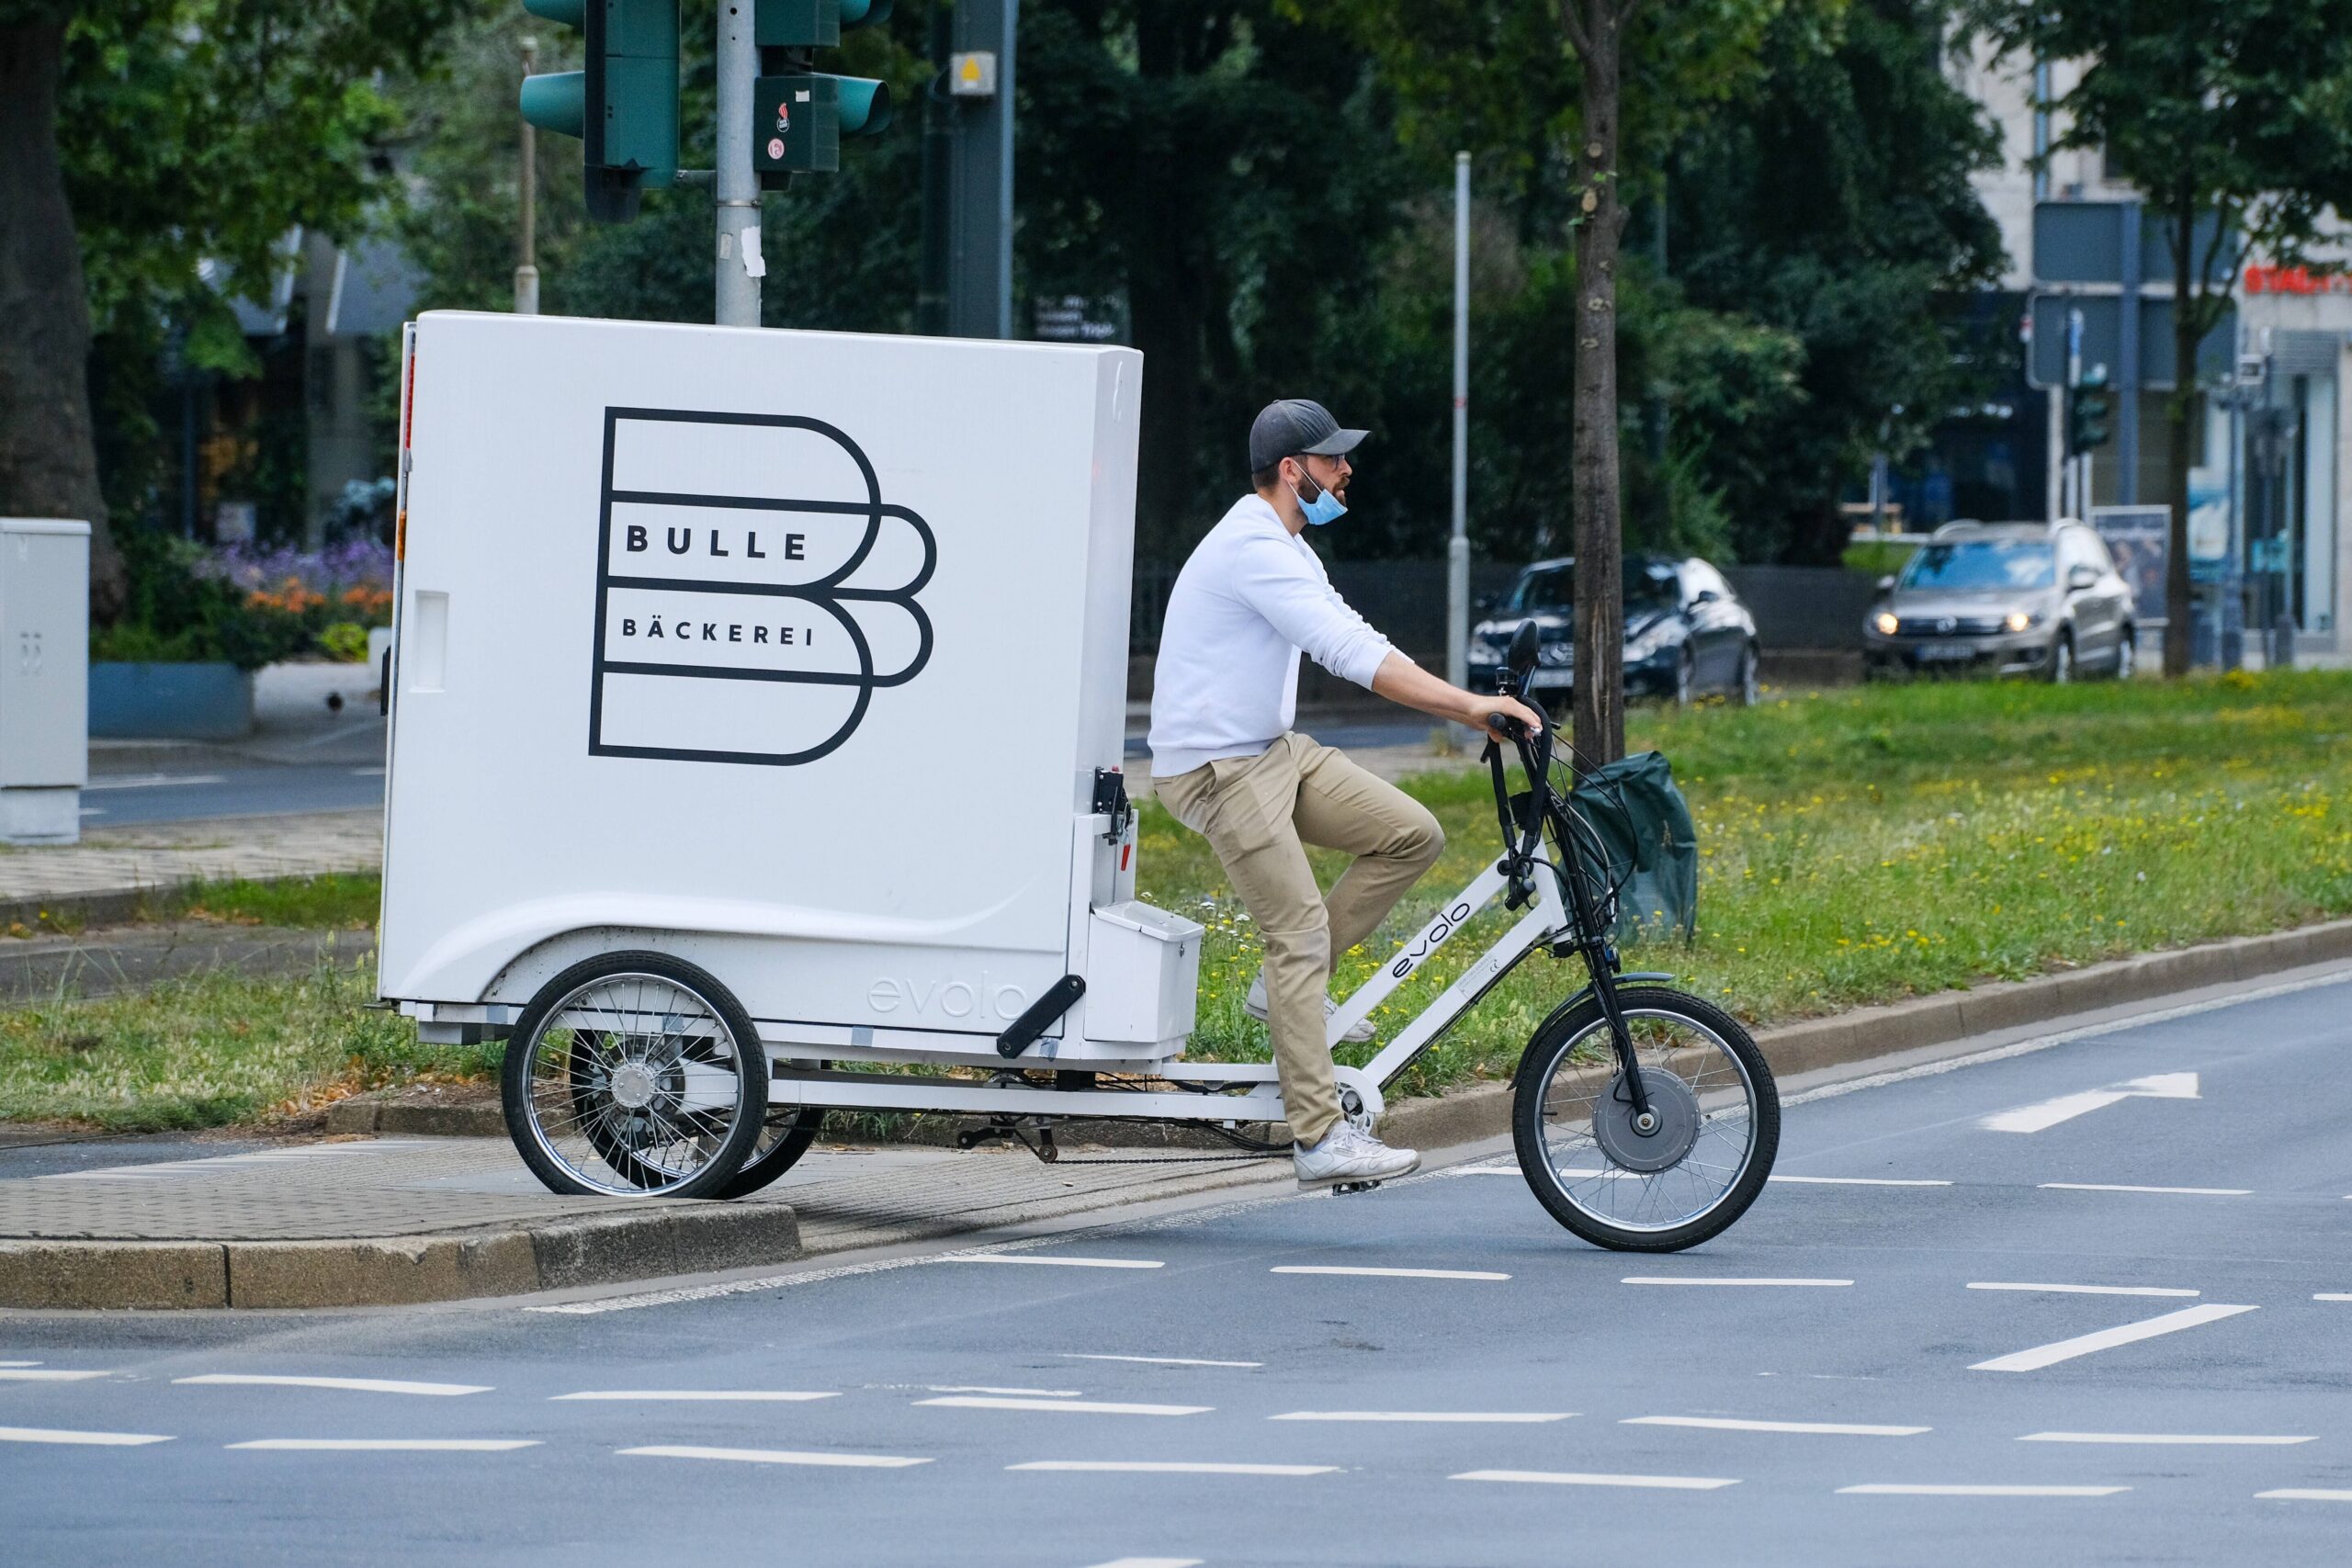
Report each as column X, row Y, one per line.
column 1637, row 845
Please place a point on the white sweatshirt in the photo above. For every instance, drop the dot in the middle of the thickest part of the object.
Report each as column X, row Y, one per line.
column 1250, row 599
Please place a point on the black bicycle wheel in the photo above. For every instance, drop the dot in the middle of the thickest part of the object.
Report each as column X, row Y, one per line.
column 1694, row 1169
column 635, row 1072
column 782, row 1142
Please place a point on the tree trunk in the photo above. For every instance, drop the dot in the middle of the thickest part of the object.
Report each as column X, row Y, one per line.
column 1600, row 700
column 49, row 460
column 2179, row 408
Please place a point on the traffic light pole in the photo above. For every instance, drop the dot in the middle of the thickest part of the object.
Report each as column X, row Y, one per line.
column 740, row 264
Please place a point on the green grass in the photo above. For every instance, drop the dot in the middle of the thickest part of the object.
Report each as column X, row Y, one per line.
column 1858, row 847
column 212, row 1050
column 1868, row 845
column 345, row 901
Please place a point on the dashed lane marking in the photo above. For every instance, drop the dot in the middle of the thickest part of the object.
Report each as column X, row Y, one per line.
column 1083, row 1407
column 1858, row 1180
column 1053, row 1260
column 1172, row 1467
column 778, row 1395
column 390, row 1445
column 1157, row 1360
column 1589, row 1478
column 46, row 1374
column 2334, row 1296
column 349, row 1385
column 1731, row 1280
column 778, row 1456
column 2081, row 1290
column 94, row 1439
column 1729, row 1423
column 2306, row 1494
column 1908, row 1489
column 983, row 1388
column 2043, row 1355
column 2123, row 1187
column 1463, row 1417
column 1152, row 1562
column 1388, row 1273
column 2168, row 1439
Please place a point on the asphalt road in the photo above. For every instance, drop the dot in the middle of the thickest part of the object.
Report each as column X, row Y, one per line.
column 119, row 800
column 2046, row 1308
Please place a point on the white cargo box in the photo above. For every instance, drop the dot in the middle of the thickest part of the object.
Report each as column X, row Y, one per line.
column 795, row 654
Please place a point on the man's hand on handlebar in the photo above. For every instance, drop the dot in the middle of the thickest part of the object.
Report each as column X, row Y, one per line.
column 1497, row 714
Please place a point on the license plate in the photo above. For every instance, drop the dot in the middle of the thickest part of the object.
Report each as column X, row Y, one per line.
column 1946, row 653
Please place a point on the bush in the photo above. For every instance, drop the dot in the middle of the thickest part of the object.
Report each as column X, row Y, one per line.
column 244, row 607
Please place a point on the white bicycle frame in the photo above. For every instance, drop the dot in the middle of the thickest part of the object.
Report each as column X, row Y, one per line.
column 1199, row 1091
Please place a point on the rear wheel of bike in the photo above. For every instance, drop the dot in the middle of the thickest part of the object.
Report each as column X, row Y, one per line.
column 1700, row 1162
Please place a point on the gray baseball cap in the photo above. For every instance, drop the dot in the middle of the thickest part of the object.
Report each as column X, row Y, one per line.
column 1290, row 426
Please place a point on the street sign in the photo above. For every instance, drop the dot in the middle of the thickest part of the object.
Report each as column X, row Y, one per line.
column 2082, row 241
column 2102, row 340
column 972, row 75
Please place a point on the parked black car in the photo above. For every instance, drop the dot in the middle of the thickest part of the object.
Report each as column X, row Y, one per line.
column 2038, row 599
column 1685, row 631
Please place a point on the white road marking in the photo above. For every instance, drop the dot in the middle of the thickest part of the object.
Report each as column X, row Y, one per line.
column 1084, row 1406
column 2307, row 1494
column 2185, row 1439
column 1727, row 1279
column 1173, row 1467
column 1467, row 1417
column 779, row 1456
column 1158, row 1360
column 2118, row 1187
column 392, row 1444
column 1728, row 1424
column 2081, row 1290
column 2066, row 1106
column 2043, row 1355
column 100, row 1439
column 696, row 1394
column 982, row 1388
column 2063, row 1037
column 2334, row 1296
column 350, row 1385
column 153, row 781
column 770, row 1282
column 20, row 1363
column 1858, row 1182
column 1900, row 1489
column 1586, row 1478
column 1054, row 1259
column 45, row 1374
column 1388, row 1273
column 1152, row 1562
column 366, row 772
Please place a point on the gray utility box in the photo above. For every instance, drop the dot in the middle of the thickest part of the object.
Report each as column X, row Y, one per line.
column 44, row 679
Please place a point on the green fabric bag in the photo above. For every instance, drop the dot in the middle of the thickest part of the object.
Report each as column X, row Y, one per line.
column 1644, row 827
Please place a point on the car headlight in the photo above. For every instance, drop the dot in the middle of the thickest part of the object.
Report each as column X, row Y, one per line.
column 1556, row 653
column 2021, row 620
column 1884, row 623
column 1648, row 643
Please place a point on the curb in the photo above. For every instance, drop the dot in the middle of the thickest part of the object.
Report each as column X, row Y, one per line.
column 651, row 1241
column 1483, row 1110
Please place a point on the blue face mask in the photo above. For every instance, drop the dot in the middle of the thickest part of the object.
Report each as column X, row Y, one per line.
column 1325, row 508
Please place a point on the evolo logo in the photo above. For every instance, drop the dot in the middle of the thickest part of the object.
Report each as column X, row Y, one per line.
column 754, row 590
column 1444, row 926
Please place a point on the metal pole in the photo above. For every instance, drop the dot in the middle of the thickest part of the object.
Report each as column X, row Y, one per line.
column 938, row 161
column 2074, row 498
column 1457, row 549
column 2054, row 483
column 2127, row 365
column 740, row 264
column 979, row 285
column 526, row 267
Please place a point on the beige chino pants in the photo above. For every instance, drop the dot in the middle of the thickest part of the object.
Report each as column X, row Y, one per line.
column 1259, row 814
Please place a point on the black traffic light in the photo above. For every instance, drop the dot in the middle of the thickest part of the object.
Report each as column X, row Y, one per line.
column 2087, row 410
column 623, row 105
column 800, row 115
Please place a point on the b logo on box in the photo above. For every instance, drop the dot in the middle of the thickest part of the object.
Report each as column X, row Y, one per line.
column 754, row 590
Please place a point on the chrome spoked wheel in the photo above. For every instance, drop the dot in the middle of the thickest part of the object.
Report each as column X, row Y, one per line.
column 1655, row 1182
column 635, row 1074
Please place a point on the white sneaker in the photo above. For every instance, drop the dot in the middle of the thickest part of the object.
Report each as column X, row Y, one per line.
column 1255, row 1006
column 1346, row 1154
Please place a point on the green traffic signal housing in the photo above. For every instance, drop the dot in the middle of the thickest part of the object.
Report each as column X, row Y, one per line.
column 623, row 105
column 2087, row 410
column 800, row 116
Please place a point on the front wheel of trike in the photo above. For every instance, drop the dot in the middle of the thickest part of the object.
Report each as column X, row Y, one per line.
column 1662, row 1183
column 635, row 1074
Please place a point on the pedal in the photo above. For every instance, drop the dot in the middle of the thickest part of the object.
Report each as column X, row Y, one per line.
column 1341, row 1188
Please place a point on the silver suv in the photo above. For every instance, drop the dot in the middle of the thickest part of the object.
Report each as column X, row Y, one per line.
column 2040, row 599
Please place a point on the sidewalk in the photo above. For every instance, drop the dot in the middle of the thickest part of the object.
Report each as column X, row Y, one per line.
column 107, row 875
